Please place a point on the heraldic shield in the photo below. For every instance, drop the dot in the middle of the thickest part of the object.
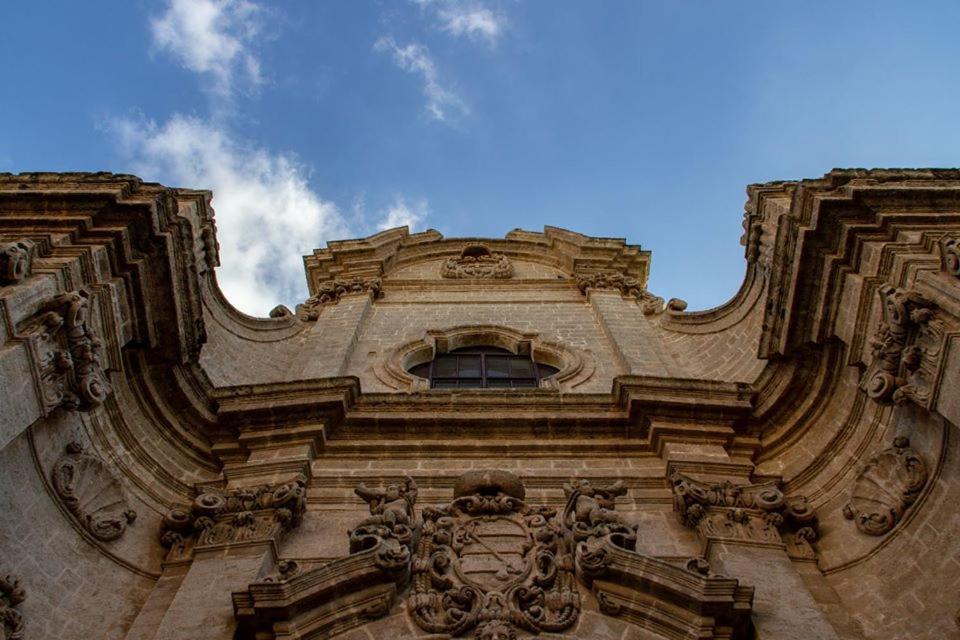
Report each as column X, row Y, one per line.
column 490, row 561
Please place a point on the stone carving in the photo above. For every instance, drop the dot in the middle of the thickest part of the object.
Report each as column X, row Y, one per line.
column 589, row 519
column 68, row 353
column 331, row 291
column 286, row 569
column 950, row 254
column 91, row 492
column 477, row 261
column 218, row 518
column 886, row 487
column 391, row 527
column 491, row 563
column 15, row 261
column 907, row 349
column 758, row 513
column 11, row 595
column 627, row 286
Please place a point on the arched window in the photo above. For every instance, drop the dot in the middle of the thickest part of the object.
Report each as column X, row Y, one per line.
column 482, row 368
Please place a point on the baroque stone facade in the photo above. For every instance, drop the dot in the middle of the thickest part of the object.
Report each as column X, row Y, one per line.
column 491, row 439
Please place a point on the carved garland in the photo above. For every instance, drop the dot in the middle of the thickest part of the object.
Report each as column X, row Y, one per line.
column 885, row 488
column 68, row 351
column 92, row 493
column 477, row 261
column 631, row 287
column 216, row 518
column 11, row 595
column 331, row 291
column 15, row 259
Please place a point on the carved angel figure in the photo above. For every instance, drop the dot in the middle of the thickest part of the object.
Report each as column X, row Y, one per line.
column 592, row 505
column 394, row 504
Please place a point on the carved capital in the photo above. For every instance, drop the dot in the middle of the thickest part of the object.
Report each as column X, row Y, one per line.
column 92, row 493
column 247, row 515
column 11, row 595
column 477, row 261
column 15, row 261
column 907, row 349
column 753, row 513
column 331, row 291
column 630, row 287
column 885, row 488
column 68, row 353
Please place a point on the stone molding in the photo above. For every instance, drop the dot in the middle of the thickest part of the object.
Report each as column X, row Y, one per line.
column 629, row 287
column 330, row 292
column 907, row 349
column 221, row 519
column 755, row 514
column 11, row 595
column 90, row 490
column 16, row 260
column 67, row 353
column 476, row 261
column 886, row 487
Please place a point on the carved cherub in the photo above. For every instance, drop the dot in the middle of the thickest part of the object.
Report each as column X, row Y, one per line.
column 592, row 505
column 394, row 504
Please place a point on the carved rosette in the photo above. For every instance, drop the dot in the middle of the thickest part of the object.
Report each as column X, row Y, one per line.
column 11, row 595
column 15, row 261
column 478, row 262
column 68, row 353
column 950, row 254
column 885, row 488
column 254, row 514
column 755, row 513
column 908, row 349
column 630, row 287
column 92, row 493
column 331, row 291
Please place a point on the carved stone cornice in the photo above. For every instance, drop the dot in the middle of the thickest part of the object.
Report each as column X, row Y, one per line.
column 886, row 487
column 752, row 513
column 67, row 353
column 92, row 493
column 11, row 595
column 477, row 261
column 219, row 519
column 330, row 292
column 908, row 349
column 15, row 261
column 630, row 287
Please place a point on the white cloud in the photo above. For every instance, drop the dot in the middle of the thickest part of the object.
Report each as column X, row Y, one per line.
column 415, row 58
column 401, row 214
column 473, row 22
column 212, row 36
column 267, row 215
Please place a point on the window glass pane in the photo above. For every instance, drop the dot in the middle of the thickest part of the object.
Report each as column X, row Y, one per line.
column 421, row 370
column 444, row 384
column 498, row 383
column 528, row 382
column 471, row 383
column 546, row 370
column 469, row 366
column 445, row 367
column 498, row 366
column 521, row 368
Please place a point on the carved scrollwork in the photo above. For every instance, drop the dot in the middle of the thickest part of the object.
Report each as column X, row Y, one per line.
column 631, row 287
column 15, row 261
column 392, row 526
column 477, row 261
column 215, row 518
column 950, row 254
column 589, row 519
column 11, row 595
column 885, row 488
column 92, row 493
column 331, row 291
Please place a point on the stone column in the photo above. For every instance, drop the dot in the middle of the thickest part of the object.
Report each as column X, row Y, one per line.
column 225, row 541
column 754, row 533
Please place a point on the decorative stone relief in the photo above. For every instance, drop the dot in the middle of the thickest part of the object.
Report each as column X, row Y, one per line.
column 89, row 489
column 757, row 513
column 590, row 521
column 222, row 518
column 68, row 353
column 885, row 488
column 950, row 254
column 392, row 525
column 11, row 595
column 15, row 261
column 907, row 349
column 331, row 291
column 286, row 569
column 631, row 287
column 477, row 261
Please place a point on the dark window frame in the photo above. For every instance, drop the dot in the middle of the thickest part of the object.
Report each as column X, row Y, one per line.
column 483, row 379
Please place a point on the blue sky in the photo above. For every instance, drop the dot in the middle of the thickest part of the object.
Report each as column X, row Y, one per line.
column 314, row 121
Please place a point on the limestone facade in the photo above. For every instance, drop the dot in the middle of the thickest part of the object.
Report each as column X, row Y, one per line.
column 784, row 466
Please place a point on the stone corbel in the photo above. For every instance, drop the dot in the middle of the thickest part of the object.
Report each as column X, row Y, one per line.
column 16, row 260
column 220, row 519
column 11, row 595
column 908, row 349
column 330, row 292
column 753, row 514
